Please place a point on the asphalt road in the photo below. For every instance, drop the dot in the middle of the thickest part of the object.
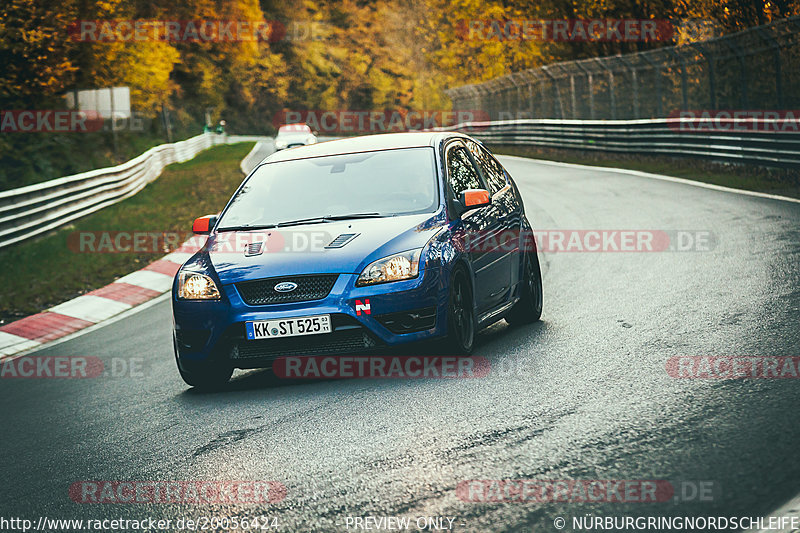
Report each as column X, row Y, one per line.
column 582, row 395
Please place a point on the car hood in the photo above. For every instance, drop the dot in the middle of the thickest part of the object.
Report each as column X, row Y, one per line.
column 306, row 249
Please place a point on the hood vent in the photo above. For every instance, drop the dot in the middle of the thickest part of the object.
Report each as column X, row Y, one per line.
column 254, row 248
column 342, row 239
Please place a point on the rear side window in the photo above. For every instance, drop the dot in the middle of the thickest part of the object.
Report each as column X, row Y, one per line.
column 492, row 171
column 461, row 173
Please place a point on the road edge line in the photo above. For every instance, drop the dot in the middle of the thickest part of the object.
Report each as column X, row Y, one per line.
column 661, row 177
column 789, row 510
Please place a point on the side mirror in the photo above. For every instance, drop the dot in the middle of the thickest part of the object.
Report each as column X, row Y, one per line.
column 474, row 198
column 203, row 225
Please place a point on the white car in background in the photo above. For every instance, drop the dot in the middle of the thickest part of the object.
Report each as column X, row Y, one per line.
column 290, row 135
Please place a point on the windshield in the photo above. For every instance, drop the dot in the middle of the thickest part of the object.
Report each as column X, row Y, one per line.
column 382, row 183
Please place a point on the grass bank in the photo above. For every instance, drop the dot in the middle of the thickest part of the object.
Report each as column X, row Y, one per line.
column 45, row 271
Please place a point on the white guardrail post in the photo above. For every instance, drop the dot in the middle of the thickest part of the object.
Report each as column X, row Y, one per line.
column 35, row 209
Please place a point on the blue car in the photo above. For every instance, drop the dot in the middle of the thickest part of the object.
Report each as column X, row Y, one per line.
column 353, row 245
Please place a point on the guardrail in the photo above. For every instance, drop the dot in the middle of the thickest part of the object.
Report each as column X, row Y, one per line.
column 35, row 209
column 767, row 143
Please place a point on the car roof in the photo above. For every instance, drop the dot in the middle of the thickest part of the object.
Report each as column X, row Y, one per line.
column 366, row 143
column 295, row 127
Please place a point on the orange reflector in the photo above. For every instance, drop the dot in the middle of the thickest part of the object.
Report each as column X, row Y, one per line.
column 476, row 197
column 202, row 225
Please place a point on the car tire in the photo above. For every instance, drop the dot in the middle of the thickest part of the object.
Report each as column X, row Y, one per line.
column 529, row 307
column 204, row 375
column 210, row 378
column 461, row 324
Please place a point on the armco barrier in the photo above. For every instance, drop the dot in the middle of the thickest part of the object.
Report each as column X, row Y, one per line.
column 753, row 141
column 29, row 211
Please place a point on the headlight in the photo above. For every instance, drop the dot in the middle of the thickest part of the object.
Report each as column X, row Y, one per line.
column 396, row 267
column 280, row 144
column 194, row 286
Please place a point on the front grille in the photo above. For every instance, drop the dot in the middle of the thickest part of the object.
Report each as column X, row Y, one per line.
column 262, row 291
column 348, row 336
column 323, row 344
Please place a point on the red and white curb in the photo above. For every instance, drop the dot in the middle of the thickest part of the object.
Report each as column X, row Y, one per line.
column 97, row 306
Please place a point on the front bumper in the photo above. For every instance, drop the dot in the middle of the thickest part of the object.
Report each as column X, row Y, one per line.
column 399, row 312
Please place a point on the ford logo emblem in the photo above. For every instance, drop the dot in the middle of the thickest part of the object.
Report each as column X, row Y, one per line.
column 285, row 286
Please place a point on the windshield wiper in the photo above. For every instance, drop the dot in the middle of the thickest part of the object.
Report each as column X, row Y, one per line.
column 247, row 227
column 313, row 220
column 353, row 215
column 327, row 218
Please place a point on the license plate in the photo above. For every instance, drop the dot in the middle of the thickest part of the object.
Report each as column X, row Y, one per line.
column 288, row 327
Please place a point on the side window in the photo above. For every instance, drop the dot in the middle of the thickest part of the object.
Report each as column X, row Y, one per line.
column 462, row 174
column 492, row 171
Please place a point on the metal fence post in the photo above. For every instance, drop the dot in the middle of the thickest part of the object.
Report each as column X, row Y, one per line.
column 556, row 94
column 612, row 98
column 530, row 98
column 589, row 85
column 167, row 122
column 635, row 83
column 742, row 71
column 776, row 59
column 475, row 98
column 518, row 91
column 658, row 83
column 485, row 101
column 494, row 95
column 684, row 81
column 712, row 86
column 544, row 97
